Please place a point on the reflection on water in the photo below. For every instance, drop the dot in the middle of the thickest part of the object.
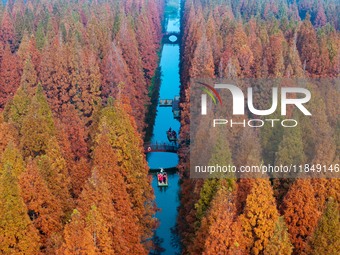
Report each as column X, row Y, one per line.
column 173, row 38
column 172, row 9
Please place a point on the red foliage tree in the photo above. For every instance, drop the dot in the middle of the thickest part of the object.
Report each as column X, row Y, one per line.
column 9, row 76
column 202, row 65
column 43, row 207
column 7, row 32
column 115, row 71
column 138, row 93
column 320, row 19
column 54, row 75
column 308, row 47
column 75, row 131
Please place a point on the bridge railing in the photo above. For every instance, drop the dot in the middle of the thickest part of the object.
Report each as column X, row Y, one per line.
column 160, row 147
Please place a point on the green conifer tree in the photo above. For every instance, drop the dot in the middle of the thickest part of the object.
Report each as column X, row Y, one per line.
column 326, row 238
column 37, row 126
column 279, row 243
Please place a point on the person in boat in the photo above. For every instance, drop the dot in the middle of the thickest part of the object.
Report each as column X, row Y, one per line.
column 173, row 134
column 164, row 177
column 160, row 177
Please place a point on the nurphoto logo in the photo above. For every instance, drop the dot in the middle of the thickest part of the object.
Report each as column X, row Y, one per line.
column 239, row 104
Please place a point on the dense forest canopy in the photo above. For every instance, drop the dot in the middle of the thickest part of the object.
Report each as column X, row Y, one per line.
column 75, row 78
column 75, row 84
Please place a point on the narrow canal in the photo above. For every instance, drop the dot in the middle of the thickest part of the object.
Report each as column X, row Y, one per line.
column 167, row 199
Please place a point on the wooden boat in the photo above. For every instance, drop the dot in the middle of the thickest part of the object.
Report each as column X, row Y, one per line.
column 162, row 183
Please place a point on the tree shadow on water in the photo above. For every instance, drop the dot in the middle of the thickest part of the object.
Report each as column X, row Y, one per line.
column 157, row 249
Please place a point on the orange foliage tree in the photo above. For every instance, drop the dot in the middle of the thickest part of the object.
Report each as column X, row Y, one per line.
column 125, row 232
column 123, row 137
column 43, row 207
column 260, row 216
column 300, row 213
column 78, row 241
column 220, row 232
column 17, row 233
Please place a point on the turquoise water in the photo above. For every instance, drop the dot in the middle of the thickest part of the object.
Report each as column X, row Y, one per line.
column 167, row 199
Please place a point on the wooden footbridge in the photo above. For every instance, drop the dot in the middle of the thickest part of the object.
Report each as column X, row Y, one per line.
column 174, row 103
column 171, row 38
column 160, row 147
